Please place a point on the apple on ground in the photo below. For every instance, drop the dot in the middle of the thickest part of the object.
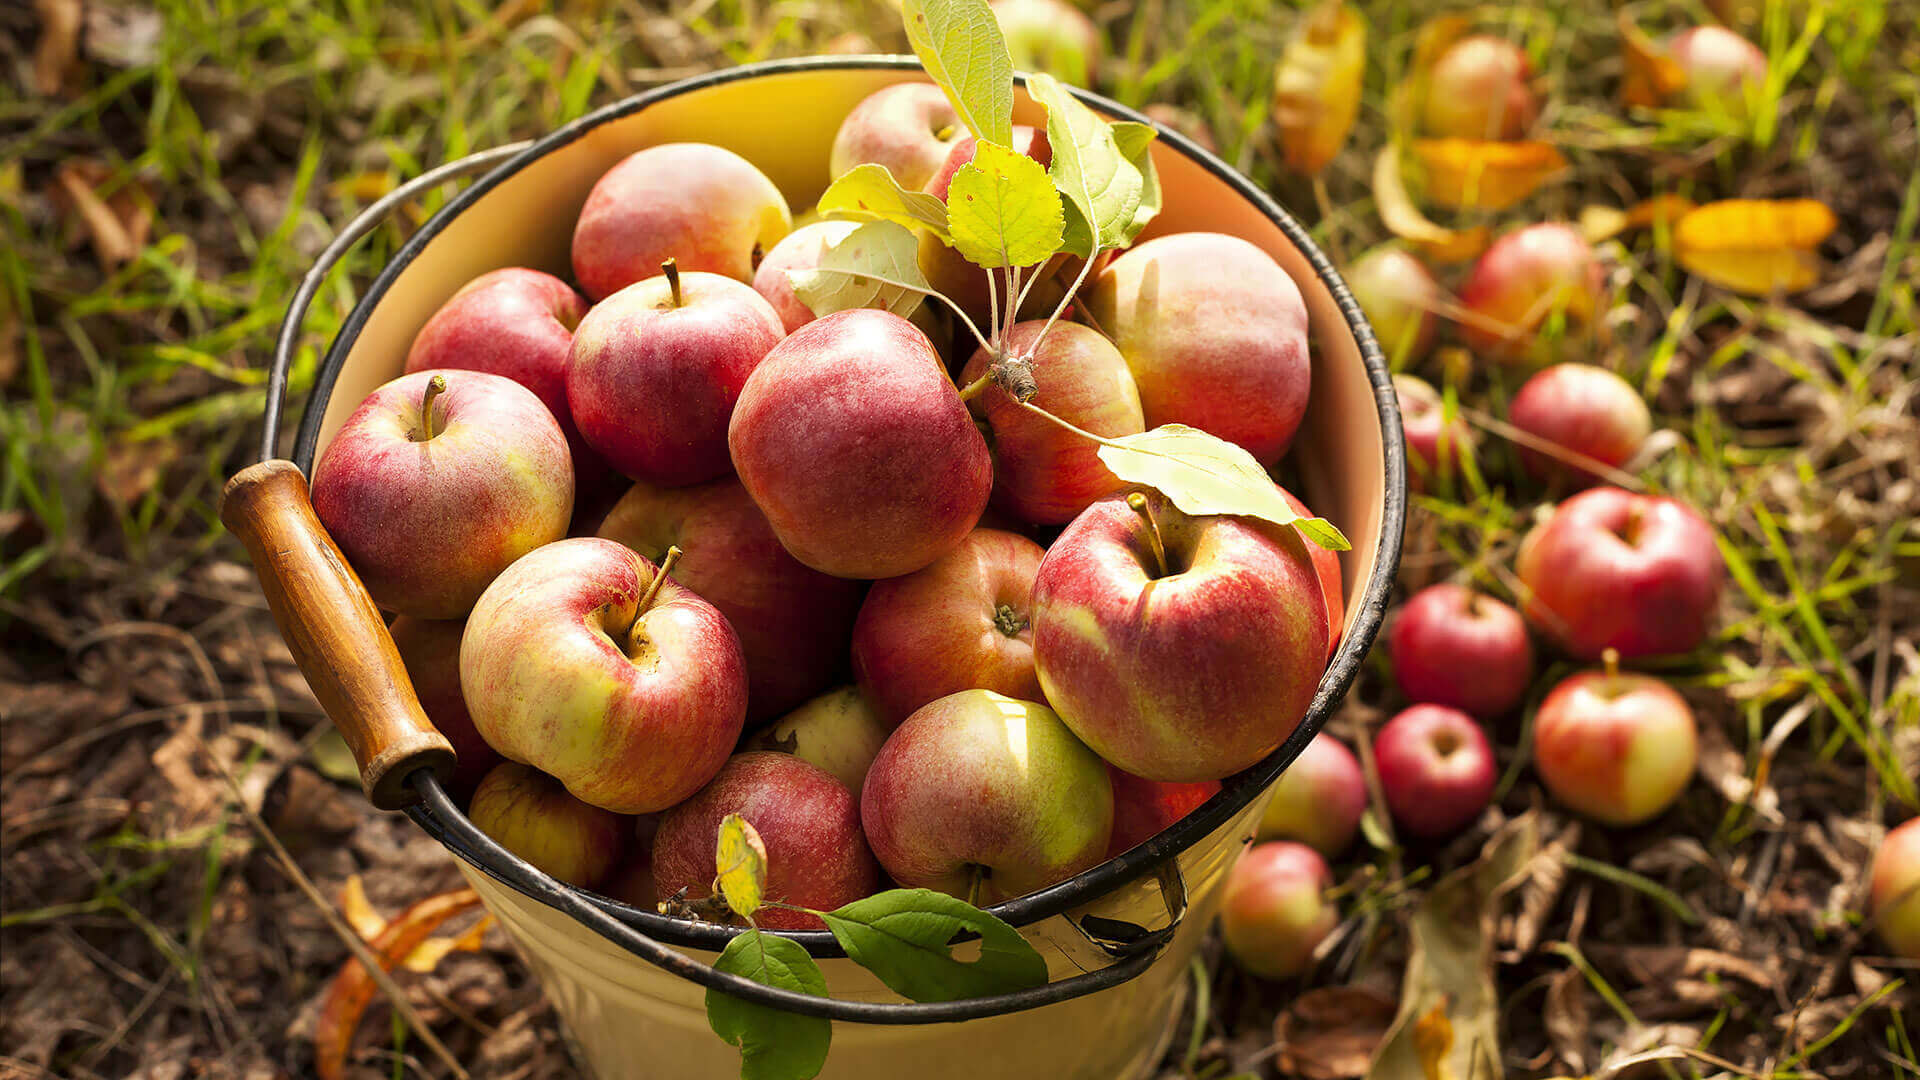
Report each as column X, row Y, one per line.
column 1274, row 911
column 1584, row 409
column 1722, row 68
column 703, row 205
column 440, row 480
column 1216, row 335
column 1043, row 473
column 1477, row 89
column 1438, row 445
column 852, row 440
column 1526, row 281
column 794, row 622
column 590, row 664
column 1399, row 296
column 1180, row 648
column 1037, row 808
column 1616, row 746
column 1319, row 800
column 1896, row 890
column 1143, row 809
column 1457, row 647
column 430, row 648
column 1326, row 566
column 656, row 369
column 839, row 731
column 1051, row 36
column 908, row 129
column 808, row 821
column 962, row 622
column 531, row 814
column 1436, row 769
column 1611, row 569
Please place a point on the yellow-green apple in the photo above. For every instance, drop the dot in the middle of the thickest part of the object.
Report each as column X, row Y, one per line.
column 1318, row 801
column 840, row 731
column 437, row 482
column 702, row 205
column 983, row 795
column 1454, row 646
column 592, row 665
column 966, row 284
column 962, row 622
column 1531, row 279
column 1399, row 296
column 1216, row 334
column 1051, row 36
column 656, row 369
column 808, row 821
column 1478, row 89
column 1326, row 566
column 1180, row 648
column 530, row 814
column 1042, row 473
column 430, row 648
column 1438, row 445
column 908, row 129
column 855, row 444
column 1723, row 69
column 1588, row 410
column 1274, row 910
column 1436, row 769
column 1143, row 809
column 1896, row 890
column 793, row 622
column 1616, row 746
column 1611, row 569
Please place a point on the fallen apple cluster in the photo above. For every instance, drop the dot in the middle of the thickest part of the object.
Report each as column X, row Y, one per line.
column 678, row 549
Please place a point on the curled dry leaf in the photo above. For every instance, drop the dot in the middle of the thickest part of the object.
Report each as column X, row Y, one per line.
column 1405, row 220
column 117, row 223
column 1482, row 174
column 1564, row 1016
column 57, row 55
column 1332, row 1032
column 1652, row 74
column 353, row 987
column 1755, row 246
column 1316, row 88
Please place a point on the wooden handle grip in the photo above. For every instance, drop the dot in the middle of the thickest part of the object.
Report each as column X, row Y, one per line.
column 335, row 633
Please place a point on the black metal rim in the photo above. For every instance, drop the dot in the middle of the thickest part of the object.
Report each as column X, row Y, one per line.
column 1236, row 792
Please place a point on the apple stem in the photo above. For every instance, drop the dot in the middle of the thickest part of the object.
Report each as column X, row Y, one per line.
column 976, row 877
column 671, row 268
column 1138, row 503
column 1611, row 658
column 435, row 387
column 659, row 579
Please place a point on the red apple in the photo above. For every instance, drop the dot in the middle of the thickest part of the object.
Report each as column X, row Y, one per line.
column 800, row 249
column 1326, row 566
column 1615, row 746
column 702, row 205
column 907, row 128
column 1438, row 445
column 1722, row 68
column 1274, row 910
column 530, row 814
column 1615, row 570
column 1896, row 890
column 1460, row 648
column 840, row 731
column 1477, row 89
column 1319, row 799
column 1051, row 36
column 794, row 622
column 962, row 622
column 1526, row 281
column 430, row 492
column 1216, row 334
column 588, row 663
column 981, row 794
column 656, row 370
column 1399, row 296
column 1582, row 408
column 809, row 822
column 855, row 444
column 1043, row 473
column 1436, row 769
column 1143, row 809
column 1185, row 659
column 430, row 648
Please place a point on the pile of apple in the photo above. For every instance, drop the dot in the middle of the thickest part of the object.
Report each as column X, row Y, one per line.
column 667, row 547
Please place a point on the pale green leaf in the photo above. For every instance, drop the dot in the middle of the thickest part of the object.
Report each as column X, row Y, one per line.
column 1204, row 474
column 875, row 266
column 869, row 191
column 1103, row 185
column 774, row 1044
column 740, row 865
column 1002, row 210
column 1135, row 141
column 960, row 44
column 904, row 936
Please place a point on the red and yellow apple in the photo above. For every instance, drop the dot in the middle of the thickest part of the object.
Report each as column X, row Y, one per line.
column 1616, row 746
column 1454, row 646
column 531, row 814
column 1896, row 890
column 1399, row 296
column 839, row 731
column 1723, row 70
column 1274, row 910
column 1143, row 809
column 1051, row 36
column 1438, row 445
column 1319, row 800
column 1326, row 566
column 1585, row 409
column 1478, row 88
column 1534, row 279
column 908, row 129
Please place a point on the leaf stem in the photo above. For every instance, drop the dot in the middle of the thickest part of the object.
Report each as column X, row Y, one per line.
column 972, row 389
column 1080, row 279
column 994, row 325
column 922, row 290
column 435, row 387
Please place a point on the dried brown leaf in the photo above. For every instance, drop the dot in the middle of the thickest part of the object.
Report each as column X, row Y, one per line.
column 118, row 224
column 1565, row 1017
column 353, row 988
column 56, row 58
column 1332, row 1032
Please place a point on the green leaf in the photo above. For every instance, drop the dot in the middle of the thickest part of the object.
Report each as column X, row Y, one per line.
column 869, row 191
column 1104, row 186
column 1002, row 209
column 902, row 936
column 857, row 271
column 740, row 865
column 1135, row 141
column 774, row 1044
column 960, row 44
column 1205, row 474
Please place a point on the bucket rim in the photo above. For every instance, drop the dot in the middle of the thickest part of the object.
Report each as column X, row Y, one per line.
column 1236, row 791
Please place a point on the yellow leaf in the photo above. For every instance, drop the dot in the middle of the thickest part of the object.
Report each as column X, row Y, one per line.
column 1604, row 222
column 1432, row 1040
column 1405, row 220
column 1652, row 75
column 358, row 912
column 740, row 865
column 1316, row 88
column 1599, row 223
column 430, row 952
column 1480, row 174
column 1755, row 246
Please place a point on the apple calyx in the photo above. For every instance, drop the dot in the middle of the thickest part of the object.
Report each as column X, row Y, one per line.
column 1009, row 621
column 1137, row 503
column 435, row 387
column 671, row 268
column 1014, row 374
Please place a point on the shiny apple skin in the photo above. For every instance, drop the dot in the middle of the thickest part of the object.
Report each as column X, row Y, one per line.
column 1588, row 410
column 1477, row 89
column 1143, row 809
column 909, row 129
column 1721, row 68
column 1274, row 911
column 840, row 731
column 1326, row 566
column 1436, row 769
column 800, row 249
column 1618, row 748
column 532, row 815
column 1521, row 282
column 1319, row 800
column 1453, row 646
